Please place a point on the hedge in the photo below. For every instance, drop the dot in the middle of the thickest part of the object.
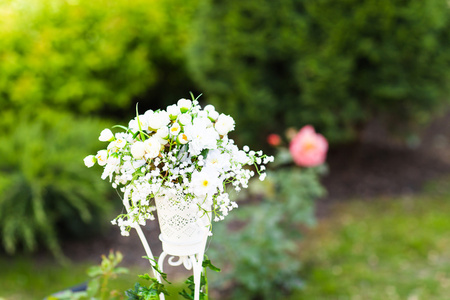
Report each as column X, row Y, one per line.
column 333, row 64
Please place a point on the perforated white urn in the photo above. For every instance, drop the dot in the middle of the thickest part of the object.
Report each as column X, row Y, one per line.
column 185, row 223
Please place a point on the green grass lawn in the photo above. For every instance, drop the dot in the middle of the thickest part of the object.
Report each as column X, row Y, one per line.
column 385, row 248
column 24, row 278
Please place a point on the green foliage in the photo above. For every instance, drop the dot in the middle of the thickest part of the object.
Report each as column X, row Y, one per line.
column 98, row 287
column 88, row 56
column 262, row 252
column 45, row 189
column 206, row 264
column 333, row 64
column 150, row 292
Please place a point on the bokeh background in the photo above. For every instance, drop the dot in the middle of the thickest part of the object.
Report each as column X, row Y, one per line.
column 372, row 76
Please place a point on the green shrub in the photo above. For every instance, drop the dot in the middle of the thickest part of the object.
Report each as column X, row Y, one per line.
column 90, row 56
column 46, row 191
column 334, row 64
column 261, row 254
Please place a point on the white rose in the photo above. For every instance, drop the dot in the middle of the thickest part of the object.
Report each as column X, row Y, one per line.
column 102, row 157
column 152, row 147
column 185, row 119
column 184, row 105
column 224, row 124
column 106, row 135
column 89, row 161
column 138, row 150
column 173, row 111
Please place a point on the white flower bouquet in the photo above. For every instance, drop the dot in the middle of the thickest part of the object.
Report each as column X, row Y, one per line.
column 180, row 155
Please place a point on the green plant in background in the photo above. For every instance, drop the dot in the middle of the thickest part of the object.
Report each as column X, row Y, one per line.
column 263, row 250
column 98, row 287
column 90, row 56
column 45, row 190
column 334, row 64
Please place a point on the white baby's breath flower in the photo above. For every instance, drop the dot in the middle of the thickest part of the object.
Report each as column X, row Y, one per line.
column 106, row 135
column 89, row 160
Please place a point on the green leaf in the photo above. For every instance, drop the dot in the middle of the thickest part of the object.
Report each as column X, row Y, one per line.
column 93, row 287
column 207, row 264
column 121, row 270
column 94, row 271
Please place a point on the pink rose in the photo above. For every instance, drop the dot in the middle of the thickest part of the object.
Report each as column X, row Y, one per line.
column 274, row 139
column 308, row 149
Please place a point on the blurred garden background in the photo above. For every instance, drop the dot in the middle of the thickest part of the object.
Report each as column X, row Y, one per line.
column 373, row 77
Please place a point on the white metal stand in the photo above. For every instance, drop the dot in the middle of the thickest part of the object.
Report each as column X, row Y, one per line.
column 189, row 247
column 193, row 261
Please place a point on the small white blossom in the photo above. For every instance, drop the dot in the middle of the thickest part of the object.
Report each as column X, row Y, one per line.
column 184, row 119
column 158, row 120
column 106, row 135
column 152, row 147
column 182, row 139
column 184, row 105
column 224, row 124
column 173, row 111
column 175, row 129
column 89, row 160
column 102, row 157
column 138, row 150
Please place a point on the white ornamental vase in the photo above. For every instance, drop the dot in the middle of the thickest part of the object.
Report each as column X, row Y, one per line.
column 184, row 226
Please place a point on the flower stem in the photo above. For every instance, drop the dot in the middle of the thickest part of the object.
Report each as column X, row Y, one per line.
column 206, row 284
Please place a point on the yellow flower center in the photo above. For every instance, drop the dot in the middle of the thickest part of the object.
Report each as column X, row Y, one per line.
column 205, row 182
